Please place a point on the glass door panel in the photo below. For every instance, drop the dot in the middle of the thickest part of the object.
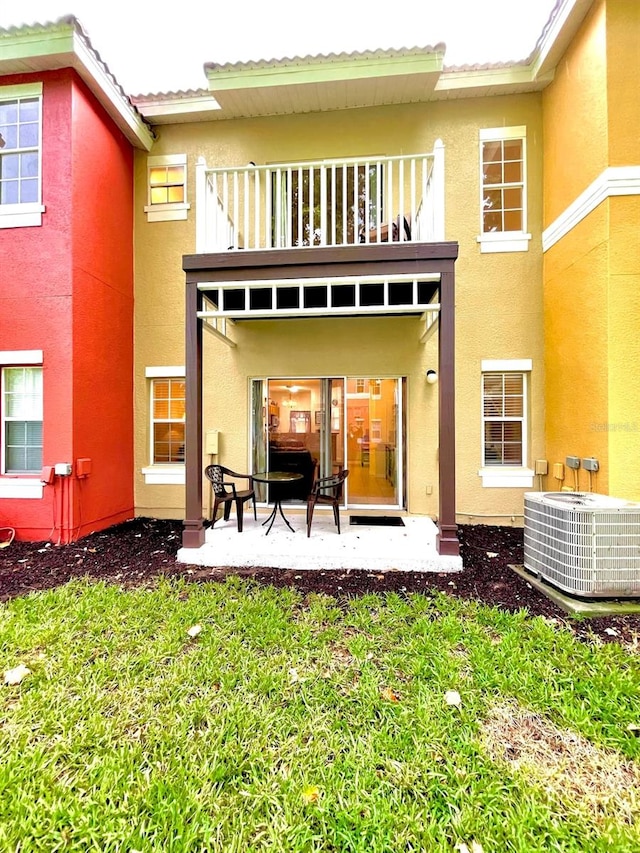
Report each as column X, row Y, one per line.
column 373, row 451
column 260, row 419
column 320, row 426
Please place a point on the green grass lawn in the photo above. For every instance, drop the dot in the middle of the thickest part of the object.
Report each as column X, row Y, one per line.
column 304, row 725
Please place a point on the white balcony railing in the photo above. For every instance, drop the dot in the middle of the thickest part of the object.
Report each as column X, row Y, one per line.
column 323, row 203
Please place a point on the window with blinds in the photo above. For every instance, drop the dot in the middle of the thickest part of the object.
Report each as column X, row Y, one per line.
column 22, row 420
column 168, row 411
column 503, row 415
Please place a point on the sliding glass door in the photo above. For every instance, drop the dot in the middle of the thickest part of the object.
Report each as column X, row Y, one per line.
column 320, row 426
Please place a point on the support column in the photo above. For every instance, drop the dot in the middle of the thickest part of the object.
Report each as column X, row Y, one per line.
column 193, row 532
column 447, row 538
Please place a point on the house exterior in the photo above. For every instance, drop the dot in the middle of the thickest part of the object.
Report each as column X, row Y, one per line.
column 308, row 244
column 66, row 286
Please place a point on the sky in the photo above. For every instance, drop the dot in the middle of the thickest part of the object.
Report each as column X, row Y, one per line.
column 165, row 49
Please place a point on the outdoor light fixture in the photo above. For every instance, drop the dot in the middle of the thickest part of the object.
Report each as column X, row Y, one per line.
column 432, row 377
column 2, row 142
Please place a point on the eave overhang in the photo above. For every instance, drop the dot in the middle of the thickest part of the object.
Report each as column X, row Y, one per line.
column 63, row 44
column 322, row 83
column 373, row 78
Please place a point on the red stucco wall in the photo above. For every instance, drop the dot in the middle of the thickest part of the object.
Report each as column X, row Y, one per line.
column 66, row 288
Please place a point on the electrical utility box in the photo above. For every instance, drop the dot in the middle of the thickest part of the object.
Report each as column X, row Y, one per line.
column 211, row 442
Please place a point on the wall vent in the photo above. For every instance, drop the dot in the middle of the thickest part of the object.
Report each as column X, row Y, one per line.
column 585, row 544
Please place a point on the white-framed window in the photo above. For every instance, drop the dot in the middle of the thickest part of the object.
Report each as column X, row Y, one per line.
column 167, row 421
column 166, row 188
column 21, row 155
column 21, row 420
column 503, row 190
column 503, row 418
column 505, row 423
column 166, row 425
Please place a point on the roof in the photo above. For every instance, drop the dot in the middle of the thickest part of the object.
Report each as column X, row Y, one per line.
column 291, row 85
column 302, row 84
column 64, row 44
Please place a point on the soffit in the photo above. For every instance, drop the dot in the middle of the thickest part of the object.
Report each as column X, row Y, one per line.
column 322, row 83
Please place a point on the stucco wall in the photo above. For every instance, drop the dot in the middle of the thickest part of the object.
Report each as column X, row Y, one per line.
column 577, row 345
column 575, row 117
column 102, row 263
column 624, row 347
column 66, row 288
column 623, row 65
column 591, row 310
column 498, row 302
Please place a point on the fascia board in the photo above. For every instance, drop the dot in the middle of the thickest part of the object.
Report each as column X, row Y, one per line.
column 557, row 38
column 109, row 95
column 221, row 80
column 481, row 78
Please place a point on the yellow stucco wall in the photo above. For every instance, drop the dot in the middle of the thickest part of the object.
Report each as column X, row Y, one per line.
column 575, row 117
column 498, row 301
column 591, row 307
column 624, row 347
column 623, row 65
column 577, row 347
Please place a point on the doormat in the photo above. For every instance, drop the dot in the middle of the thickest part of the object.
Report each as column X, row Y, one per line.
column 377, row 520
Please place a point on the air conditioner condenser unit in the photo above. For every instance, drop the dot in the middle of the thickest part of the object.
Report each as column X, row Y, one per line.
column 585, row 544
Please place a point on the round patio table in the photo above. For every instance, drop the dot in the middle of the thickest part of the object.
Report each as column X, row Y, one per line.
column 279, row 478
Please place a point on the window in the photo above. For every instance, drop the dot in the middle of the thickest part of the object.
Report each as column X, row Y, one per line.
column 167, row 188
column 503, row 407
column 168, row 412
column 503, row 189
column 22, row 420
column 20, row 155
column 505, row 422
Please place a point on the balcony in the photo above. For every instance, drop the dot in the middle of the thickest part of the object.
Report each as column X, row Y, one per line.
column 324, row 203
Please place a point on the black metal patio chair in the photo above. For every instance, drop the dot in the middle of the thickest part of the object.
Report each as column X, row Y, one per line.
column 326, row 491
column 226, row 492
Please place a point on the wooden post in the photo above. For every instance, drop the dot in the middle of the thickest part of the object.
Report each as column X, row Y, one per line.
column 193, row 532
column 447, row 539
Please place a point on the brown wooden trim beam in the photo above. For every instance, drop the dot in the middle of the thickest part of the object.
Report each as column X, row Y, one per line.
column 322, row 256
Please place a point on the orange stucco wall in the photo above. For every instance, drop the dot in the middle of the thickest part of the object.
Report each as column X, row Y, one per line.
column 575, row 117
column 591, row 120
column 577, row 346
column 623, row 62
column 624, row 347
column 66, row 288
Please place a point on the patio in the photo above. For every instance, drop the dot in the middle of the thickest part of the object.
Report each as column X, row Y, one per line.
column 372, row 548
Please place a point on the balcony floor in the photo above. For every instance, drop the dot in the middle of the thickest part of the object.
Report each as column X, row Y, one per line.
column 408, row 548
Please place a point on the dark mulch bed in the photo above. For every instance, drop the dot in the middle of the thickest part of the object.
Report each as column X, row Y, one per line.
column 137, row 552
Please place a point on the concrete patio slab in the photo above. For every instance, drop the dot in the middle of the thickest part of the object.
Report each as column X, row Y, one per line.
column 409, row 548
